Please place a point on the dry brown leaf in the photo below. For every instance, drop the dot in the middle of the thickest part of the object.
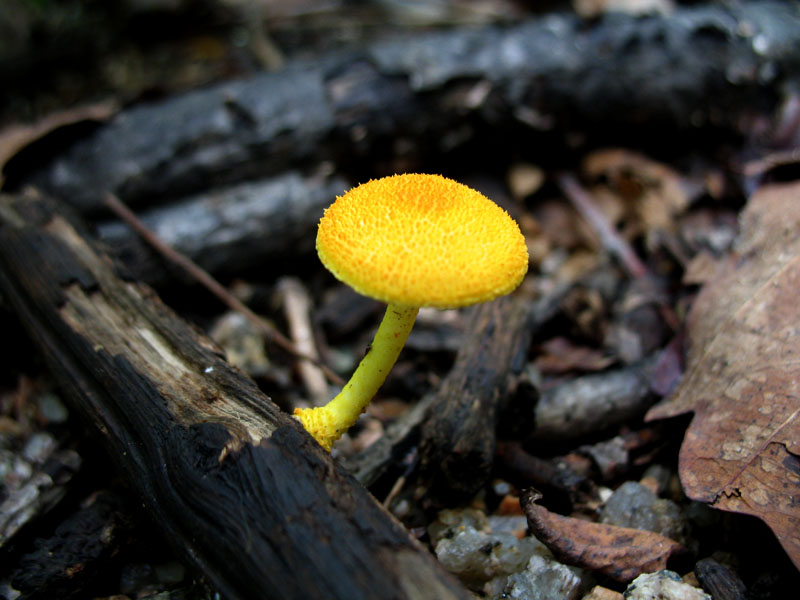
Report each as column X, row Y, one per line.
column 16, row 137
column 700, row 269
column 559, row 355
column 558, row 223
column 621, row 553
column 524, row 179
column 657, row 193
column 742, row 450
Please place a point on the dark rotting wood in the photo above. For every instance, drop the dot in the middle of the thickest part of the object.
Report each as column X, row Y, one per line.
column 593, row 402
column 80, row 553
column 230, row 228
column 698, row 66
column 235, row 485
column 504, row 347
column 459, row 433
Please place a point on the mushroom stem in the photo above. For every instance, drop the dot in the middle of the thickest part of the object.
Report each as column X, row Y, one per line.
column 327, row 423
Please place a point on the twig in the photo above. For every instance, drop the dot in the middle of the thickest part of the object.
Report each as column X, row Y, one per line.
column 611, row 240
column 393, row 493
column 296, row 305
column 410, row 463
column 211, row 284
column 757, row 168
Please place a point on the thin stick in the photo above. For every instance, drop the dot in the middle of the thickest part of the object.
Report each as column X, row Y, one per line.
column 211, row 284
column 396, row 489
column 296, row 307
column 611, row 240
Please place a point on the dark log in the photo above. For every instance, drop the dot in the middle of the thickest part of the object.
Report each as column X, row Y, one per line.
column 231, row 228
column 78, row 555
column 235, row 485
column 592, row 403
column 498, row 343
column 458, row 436
column 698, row 66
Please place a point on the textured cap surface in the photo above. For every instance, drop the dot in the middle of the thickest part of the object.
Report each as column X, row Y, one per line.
column 422, row 240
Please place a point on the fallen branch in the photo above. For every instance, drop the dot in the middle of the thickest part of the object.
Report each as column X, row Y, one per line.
column 458, row 440
column 593, row 402
column 699, row 66
column 228, row 229
column 234, row 484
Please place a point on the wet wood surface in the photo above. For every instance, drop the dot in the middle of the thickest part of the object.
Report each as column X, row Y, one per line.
column 235, row 485
column 696, row 67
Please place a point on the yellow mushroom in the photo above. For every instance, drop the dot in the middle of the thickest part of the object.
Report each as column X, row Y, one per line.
column 410, row 240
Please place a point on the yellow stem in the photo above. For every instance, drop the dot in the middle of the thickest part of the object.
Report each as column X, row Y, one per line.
column 328, row 423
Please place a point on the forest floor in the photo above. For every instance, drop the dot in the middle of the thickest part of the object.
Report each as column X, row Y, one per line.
column 655, row 266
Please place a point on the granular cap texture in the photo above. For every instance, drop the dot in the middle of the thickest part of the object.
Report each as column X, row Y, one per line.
column 422, row 240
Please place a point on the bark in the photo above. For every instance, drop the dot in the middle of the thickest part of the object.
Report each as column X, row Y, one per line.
column 626, row 75
column 488, row 362
column 593, row 403
column 229, row 229
column 80, row 552
column 237, row 486
column 458, row 436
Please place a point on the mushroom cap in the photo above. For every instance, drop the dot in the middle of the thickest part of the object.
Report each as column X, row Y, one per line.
column 422, row 240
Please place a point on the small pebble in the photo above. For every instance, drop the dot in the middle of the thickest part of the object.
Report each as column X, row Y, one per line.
column 610, row 456
column 7, row 592
column 449, row 522
column 38, row 447
column 657, row 478
column 513, row 524
column 476, row 557
column 546, row 579
column 467, row 545
column 501, row 487
column 51, row 408
column 601, row 593
column 493, row 556
column 634, row 505
column 663, row 585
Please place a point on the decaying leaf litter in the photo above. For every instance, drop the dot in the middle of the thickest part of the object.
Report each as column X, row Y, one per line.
column 740, row 453
column 640, row 263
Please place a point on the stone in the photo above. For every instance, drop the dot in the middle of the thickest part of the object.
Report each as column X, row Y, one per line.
column 546, row 579
column 663, row 585
column 635, row 505
column 466, row 546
